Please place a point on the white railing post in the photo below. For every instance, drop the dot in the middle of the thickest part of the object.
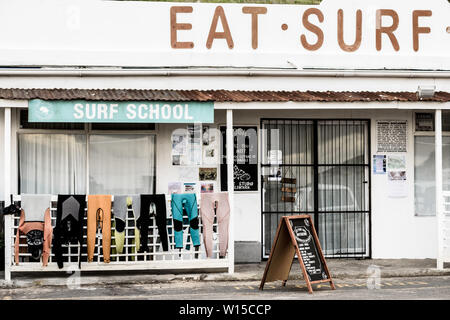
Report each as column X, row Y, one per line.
column 439, row 194
column 7, row 192
column 230, row 182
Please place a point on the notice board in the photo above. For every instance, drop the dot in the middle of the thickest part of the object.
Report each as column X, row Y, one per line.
column 245, row 168
column 392, row 135
column 296, row 235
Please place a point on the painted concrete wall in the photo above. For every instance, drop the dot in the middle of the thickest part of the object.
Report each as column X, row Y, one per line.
column 2, row 154
column 131, row 33
column 247, row 209
column 396, row 232
column 347, row 83
column 13, row 154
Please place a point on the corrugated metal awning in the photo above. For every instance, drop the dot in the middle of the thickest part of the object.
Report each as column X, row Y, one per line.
column 215, row 95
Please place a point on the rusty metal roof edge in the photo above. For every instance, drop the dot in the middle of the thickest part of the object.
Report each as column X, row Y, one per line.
column 220, row 95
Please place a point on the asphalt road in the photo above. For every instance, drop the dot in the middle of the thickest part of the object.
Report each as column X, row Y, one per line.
column 386, row 289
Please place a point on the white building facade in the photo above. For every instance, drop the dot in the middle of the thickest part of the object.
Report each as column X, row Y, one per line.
column 345, row 101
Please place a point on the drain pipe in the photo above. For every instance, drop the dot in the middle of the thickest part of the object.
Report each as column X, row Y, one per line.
column 223, row 72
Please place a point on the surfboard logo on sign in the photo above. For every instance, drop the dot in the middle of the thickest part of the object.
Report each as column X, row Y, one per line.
column 302, row 234
column 45, row 112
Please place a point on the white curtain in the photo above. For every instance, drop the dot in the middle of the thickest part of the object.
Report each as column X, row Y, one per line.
column 424, row 173
column 121, row 164
column 52, row 163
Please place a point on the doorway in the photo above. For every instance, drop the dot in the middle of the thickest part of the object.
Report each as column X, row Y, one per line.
column 320, row 168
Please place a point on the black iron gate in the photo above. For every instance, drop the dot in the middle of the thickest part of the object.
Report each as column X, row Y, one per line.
column 320, row 168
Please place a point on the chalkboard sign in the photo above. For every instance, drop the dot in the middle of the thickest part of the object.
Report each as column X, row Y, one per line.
column 296, row 235
column 305, row 241
column 245, row 168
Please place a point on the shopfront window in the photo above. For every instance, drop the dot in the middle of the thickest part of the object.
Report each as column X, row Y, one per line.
column 424, row 173
column 52, row 163
column 121, row 164
column 424, row 161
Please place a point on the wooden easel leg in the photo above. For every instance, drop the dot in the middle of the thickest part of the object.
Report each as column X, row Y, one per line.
column 309, row 287
column 332, row 285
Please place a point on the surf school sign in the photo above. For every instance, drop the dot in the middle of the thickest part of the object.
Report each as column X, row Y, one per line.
column 118, row 111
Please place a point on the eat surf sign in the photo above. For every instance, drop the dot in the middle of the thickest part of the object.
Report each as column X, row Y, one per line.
column 344, row 34
column 118, row 111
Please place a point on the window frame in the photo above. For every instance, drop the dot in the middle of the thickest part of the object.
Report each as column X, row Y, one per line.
column 423, row 134
column 87, row 132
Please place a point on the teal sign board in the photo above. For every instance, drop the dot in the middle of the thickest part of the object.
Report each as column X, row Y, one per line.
column 120, row 111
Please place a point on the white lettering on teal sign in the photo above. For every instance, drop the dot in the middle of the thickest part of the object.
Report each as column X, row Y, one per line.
column 119, row 111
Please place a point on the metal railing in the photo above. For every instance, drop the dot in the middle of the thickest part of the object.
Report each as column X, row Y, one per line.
column 154, row 259
column 322, row 171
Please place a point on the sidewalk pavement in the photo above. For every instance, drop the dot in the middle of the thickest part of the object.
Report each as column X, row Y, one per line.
column 339, row 269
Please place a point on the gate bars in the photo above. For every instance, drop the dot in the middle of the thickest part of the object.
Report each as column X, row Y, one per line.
column 330, row 160
column 154, row 259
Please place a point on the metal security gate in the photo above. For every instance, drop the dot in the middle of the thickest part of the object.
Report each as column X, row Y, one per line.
column 320, row 168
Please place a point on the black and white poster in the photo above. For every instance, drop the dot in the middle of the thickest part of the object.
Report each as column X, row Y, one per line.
column 391, row 135
column 245, row 167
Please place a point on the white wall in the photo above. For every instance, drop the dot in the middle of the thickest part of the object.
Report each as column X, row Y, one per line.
column 131, row 33
column 396, row 232
column 13, row 154
column 348, row 83
column 247, row 204
column 2, row 154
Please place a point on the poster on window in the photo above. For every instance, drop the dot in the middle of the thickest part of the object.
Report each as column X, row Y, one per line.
column 187, row 146
column 396, row 162
column 174, row 187
column 245, row 168
column 195, row 144
column 190, row 187
column 205, row 174
column 207, row 187
column 179, row 143
column 210, row 140
column 397, row 185
column 379, row 164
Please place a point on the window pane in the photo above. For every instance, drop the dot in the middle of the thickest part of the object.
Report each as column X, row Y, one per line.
column 425, row 121
column 52, row 163
column 121, row 164
column 424, row 173
column 292, row 137
column 445, row 121
column 342, row 142
column 123, row 126
column 24, row 124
